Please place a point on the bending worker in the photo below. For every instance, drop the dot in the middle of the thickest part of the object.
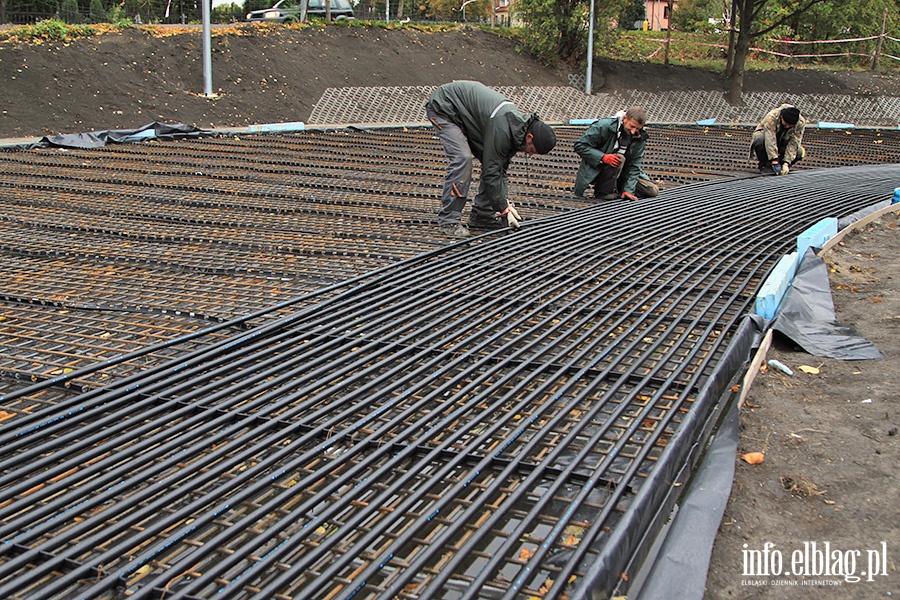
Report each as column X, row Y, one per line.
column 612, row 153
column 776, row 141
column 474, row 121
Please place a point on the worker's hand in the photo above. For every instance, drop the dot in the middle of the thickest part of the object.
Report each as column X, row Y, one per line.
column 777, row 168
column 612, row 160
column 510, row 217
column 629, row 196
column 785, row 169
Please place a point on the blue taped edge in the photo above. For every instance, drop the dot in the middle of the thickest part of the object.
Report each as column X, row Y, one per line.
column 267, row 127
column 776, row 285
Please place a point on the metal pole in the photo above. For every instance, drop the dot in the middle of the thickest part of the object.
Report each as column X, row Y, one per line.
column 590, row 53
column 207, row 52
column 387, row 11
column 880, row 41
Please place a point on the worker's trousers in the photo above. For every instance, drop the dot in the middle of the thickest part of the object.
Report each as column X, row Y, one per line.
column 605, row 183
column 609, row 182
column 459, row 173
column 758, row 147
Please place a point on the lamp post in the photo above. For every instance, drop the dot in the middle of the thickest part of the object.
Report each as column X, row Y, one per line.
column 207, row 51
column 590, row 52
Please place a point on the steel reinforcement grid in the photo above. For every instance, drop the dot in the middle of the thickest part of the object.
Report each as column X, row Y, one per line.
column 143, row 248
column 499, row 417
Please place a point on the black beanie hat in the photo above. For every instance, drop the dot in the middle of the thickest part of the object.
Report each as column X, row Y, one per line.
column 543, row 136
column 790, row 114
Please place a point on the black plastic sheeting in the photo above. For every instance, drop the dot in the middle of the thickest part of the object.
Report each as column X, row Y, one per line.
column 97, row 139
column 806, row 316
column 849, row 220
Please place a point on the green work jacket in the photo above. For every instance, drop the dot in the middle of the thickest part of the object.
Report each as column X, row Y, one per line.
column 494, row 128
column 600, row 139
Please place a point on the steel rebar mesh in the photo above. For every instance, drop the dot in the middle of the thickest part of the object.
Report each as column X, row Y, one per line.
column 161, row 239
column 475, row 421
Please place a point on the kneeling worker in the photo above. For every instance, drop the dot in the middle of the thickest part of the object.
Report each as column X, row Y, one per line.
column 474, row 121
column 612, row 151
column 776, row 141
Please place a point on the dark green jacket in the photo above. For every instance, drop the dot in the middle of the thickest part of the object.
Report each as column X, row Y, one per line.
column 600, row 139
column 494, row 128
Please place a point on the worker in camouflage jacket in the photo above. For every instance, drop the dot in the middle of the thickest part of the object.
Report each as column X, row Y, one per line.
column 474, row 121
column 776, row 143
column 612, row 153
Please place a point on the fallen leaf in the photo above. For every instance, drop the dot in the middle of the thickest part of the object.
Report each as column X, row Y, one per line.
column 525, row 554
column 754, row 458
column 800, row 486
column 546, row 587
column 810, row 370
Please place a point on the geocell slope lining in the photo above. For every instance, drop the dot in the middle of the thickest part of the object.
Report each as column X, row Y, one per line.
column 500, row 418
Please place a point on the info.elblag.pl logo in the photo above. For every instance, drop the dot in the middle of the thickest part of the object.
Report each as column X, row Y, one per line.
column 816, row 563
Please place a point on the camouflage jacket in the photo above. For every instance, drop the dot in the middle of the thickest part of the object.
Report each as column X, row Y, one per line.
column 778, row 135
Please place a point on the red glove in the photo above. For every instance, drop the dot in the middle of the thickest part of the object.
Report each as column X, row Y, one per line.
column 612, row 160
column 629, row 196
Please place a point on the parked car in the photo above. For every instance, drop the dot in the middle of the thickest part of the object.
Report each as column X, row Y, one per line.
column 288, row 11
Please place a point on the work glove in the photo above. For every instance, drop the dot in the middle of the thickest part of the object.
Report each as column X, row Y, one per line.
column 785, row 169
column 510, row 217
column 777, row 168
column 629, row 196
column 612, row 160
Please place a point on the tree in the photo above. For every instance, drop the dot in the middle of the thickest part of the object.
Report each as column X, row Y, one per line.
column 635, row 10
column 98, row 13
column 250, row 5
column 848, row 19
column 451, row 10
column 558, row 29
column 700, row 16
column 754, row 19
column 68, row 12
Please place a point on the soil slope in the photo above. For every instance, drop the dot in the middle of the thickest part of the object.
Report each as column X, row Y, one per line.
column 268, row 74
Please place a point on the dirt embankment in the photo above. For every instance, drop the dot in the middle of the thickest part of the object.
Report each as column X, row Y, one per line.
column 267, row 74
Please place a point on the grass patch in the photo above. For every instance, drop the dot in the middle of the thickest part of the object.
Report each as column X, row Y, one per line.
column 708, row 51
column 52, row 30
